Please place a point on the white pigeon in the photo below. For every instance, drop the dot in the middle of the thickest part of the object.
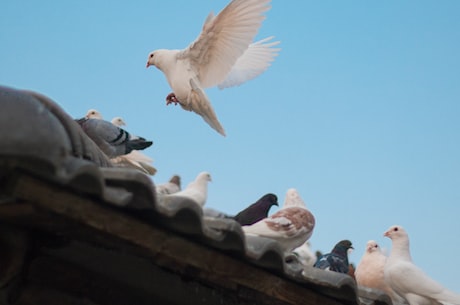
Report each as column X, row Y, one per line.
column 94, row 114
column 291, row 226
column 170, row 187
column 407, row 279
column 305, row 255
column 223, row 55
column 197, row 190
column 118, row 121
column 369, row 272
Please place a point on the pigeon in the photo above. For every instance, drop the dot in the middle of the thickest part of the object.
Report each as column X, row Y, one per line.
column 305, row 255
column 291, row 226
column 135, row 159
column 196, row 190
column 257, row 210
column 170, row 187
column 337, row 259
column 369, row 272
column 118, row 121
column 407, row 279
column 93, row 114
column 112, row 140
column 223, row 54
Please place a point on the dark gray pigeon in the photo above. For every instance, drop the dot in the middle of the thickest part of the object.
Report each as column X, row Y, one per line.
column 112, row 140
column 256, row 211
column 337, row 260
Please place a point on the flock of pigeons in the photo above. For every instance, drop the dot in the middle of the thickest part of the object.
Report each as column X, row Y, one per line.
column 293, row 225
column 224, row 55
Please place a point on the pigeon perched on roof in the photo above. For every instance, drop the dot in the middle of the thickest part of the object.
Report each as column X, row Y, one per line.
column 137, row 160
column 118, row 121
column 291, row 226
column 134, row 159
column 170, row 187
column 337, row 259
column 407, row 279
column 369, row 272
column 112, row 140
column 93, row 114
column 197, row 190
column 305, row 255
column 221, row 55
column 256, row 211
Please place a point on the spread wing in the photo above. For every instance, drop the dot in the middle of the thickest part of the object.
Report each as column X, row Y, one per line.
column 254, row 61
column 223, row 39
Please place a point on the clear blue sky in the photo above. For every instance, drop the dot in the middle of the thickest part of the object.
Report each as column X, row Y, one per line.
column 360, row 111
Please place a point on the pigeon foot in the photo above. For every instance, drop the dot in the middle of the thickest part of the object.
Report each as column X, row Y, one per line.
column 171, row 98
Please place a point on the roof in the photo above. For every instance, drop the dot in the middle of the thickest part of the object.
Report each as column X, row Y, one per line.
column 77, row 230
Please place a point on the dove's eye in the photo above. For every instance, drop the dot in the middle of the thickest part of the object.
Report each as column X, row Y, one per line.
column 395, row 229
column 151, row 55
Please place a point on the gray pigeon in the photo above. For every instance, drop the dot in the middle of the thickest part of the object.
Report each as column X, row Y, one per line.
column 256, row 211
column 112, row 140
column 337, row 260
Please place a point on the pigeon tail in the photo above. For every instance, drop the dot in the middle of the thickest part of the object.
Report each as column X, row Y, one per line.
column 137, row 144
column 201, row 105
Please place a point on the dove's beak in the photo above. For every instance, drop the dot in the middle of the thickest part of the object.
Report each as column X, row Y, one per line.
column 148, row 65
column 386, row 234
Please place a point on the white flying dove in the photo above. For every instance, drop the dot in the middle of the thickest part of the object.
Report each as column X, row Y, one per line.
column 223, row 55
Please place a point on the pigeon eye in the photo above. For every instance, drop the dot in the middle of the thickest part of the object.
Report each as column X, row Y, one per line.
column 395, row 229
column 151, row 55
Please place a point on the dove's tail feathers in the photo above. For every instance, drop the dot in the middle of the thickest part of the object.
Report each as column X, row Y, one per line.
column 148, row 168
column 138, row 156
column 253, row 62
column 202, row 106
column 137, row 144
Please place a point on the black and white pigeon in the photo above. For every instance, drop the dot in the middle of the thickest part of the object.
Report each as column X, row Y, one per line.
column 407, row 279
column 170, row 187
column 223, row 55
column 291, row 226
column 256, row 211
column 112, row 140
column 337, row 259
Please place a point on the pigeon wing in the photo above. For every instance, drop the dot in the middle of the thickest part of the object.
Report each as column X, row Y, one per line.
column 223, row 39
column 411, row 278
column 254, row 61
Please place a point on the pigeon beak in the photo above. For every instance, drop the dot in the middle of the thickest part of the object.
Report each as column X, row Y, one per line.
column 386, row 234
column 148, row 65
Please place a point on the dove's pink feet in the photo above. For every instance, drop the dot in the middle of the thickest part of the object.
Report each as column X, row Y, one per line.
column 171, row 98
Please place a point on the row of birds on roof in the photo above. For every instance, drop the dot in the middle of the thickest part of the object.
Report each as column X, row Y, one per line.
column 293, row 225
column 225, row 55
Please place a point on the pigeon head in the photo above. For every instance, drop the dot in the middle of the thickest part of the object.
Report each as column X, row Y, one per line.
column 175, row 179
column 293, row 199
column 204, row 176
column 395, row 232
column 93, row 114
column 118, row 121
column 150, row 59
column 372, row 246
column 270, row 199
column 342, row 247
